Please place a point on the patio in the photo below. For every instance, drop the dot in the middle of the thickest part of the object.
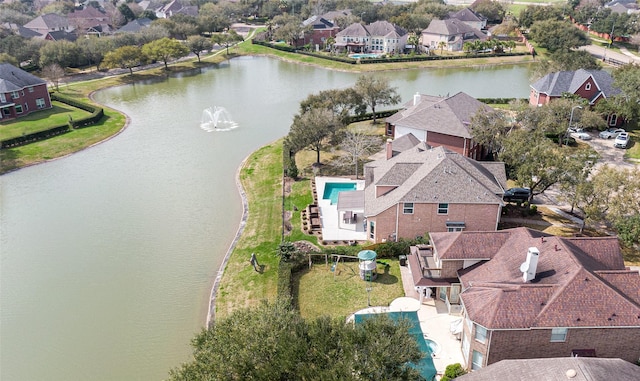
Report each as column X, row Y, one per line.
column 343, row 220
column 435, row 322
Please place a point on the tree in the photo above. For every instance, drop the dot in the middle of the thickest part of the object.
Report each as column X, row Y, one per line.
column 533, row 161
column 126, row 12
column 164, row 50
column 557, row 35
column 94, row 49
column 311, row 129
column 226, row 39
column 627, row 79
column 492, row 10
column 198, row 44
column 289, row 28
column 63, row 53
column 563, row 60
column 358, row 143
column 533, row 13
column 489, row 129
column 374, row 349
column 441, row 46
column 452, row 371
column 126, row 57
column 54, row 73
column 376, row 91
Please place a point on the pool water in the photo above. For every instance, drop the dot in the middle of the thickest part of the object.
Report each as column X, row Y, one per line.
column 331, row 190
column 364, row 55
column 425, row 365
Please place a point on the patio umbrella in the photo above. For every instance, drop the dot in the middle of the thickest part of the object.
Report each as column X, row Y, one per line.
column 367, row 255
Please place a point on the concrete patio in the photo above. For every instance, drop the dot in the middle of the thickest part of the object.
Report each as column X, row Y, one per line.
column 435, row 322
column 333, row 228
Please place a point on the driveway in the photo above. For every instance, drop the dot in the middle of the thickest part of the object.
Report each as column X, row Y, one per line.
column 609, row 155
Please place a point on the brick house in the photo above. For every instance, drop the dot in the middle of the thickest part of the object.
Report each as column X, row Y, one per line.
column 322, row 29
column 378, row 37
column 439, row 121
column 21, row 93
column 592, row 85
column 525, row 294
column 425, row 189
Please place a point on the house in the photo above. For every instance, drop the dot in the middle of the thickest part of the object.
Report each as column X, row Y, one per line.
column 592, row 85
column 560, row 368
column 378, row 37
column 176, row 7
column 322, row 30
column 471, row 18
column 59, row 35
column 525, row 294
column 50, row 22
column 134, row 26
column 623, row 6
column 21, row 93
column 90, row 20
column 424, row 189
column 439, row 121
column 450, row 34
column 19, row 30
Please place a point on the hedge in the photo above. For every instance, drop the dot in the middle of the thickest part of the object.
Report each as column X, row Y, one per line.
column 284, row 291
column 97, row 113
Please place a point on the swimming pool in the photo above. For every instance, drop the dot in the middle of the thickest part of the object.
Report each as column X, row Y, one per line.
column 331, row 190
column 425, row 365
column 364, row 55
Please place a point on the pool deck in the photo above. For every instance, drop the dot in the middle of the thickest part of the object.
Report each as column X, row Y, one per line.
column 331, row 229
column 435, row 322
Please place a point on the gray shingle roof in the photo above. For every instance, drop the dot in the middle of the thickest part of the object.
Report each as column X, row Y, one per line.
column 466, row 14
column 555, row 84
column 555, row 369
column 450, row 116
column 450, row 27
column 50, row 21
column 13, row 78
column 434, row 175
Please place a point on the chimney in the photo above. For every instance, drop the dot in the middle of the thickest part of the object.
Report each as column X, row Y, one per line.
column 389, row 149
column 530, row 266
column 416, row 98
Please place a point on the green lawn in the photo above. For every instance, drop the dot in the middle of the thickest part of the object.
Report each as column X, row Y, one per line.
column 340, row 292
column 42, row 120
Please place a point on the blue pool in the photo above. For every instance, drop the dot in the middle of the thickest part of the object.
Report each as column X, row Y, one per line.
column 331, row 190
column 364, row 55
column 425, row 365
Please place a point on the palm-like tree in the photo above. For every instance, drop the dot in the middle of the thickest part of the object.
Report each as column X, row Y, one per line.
column 441, row 45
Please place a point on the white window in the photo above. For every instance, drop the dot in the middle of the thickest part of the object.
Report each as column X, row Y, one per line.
column 407, row 208
column 558, row 335
column 2, row 97
column 15, row 95
column 613, row 119
column 465, row 347
column 481, row 334
column 476, row 361
column 30, row 89
column 587, row 86
column 40, row 103
column 19, row 109
column 443, row 208
column 372, row 227
column 455, row 226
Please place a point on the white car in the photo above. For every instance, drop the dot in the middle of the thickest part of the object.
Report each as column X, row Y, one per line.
column 621, row 140
column 581, row 135
column 611, row 133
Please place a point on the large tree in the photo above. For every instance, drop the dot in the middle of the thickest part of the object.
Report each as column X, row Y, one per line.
column 164, row 50
column 489, row 128
column 312, row 130
column 273, row 342
column 557, row 35
column 289, row 28
column 627, row 79
column 199, row 44
column 126, row 57
column 226, row 39
column 357, row 144
column 376, row 91
column 64, row 53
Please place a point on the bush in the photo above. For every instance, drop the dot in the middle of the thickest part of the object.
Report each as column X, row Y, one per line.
column 452, row 371
column 284, row 281
column 629, row 230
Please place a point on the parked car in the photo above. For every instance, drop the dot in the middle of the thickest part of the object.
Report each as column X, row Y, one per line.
column 621, row 140
column 581, row 135
column 611, row 133
column 517, row 195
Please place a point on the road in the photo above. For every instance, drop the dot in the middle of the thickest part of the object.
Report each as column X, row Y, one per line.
column 603, row 53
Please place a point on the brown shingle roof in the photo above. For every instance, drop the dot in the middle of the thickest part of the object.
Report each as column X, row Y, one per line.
column 580, row 282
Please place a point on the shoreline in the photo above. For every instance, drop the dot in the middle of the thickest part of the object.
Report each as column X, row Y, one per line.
column 211, row 312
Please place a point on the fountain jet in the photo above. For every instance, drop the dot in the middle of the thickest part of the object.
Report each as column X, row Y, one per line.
column 217, row 118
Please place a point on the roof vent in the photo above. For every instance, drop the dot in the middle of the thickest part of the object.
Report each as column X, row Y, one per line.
column 529, row 267
column 571, row 373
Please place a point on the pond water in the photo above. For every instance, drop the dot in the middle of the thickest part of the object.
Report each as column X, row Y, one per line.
column 108, row 255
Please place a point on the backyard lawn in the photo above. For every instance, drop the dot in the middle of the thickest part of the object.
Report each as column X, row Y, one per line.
column 337, row 291
column 58, row 115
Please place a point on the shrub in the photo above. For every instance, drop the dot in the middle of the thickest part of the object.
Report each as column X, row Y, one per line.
column 452, row 371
